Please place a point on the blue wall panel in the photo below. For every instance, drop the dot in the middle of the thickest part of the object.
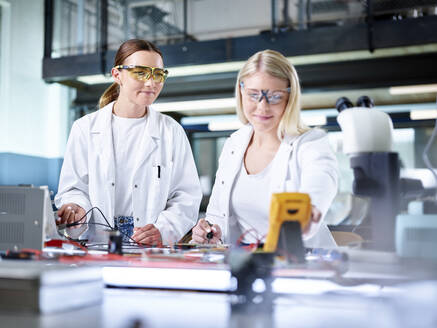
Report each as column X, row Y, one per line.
column 21, row 169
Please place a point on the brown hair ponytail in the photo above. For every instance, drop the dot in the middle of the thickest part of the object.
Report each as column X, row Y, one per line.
column 110, row 94
column 126, row 49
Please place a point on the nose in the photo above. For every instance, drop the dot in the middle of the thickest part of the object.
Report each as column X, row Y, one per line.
column 149, row 82
column 263, row 104
column 264, row 95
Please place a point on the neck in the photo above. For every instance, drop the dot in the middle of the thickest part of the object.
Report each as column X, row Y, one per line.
column 267, row 139
column 127, row 109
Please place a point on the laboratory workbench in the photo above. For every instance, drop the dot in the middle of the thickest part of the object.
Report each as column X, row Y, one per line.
column 165, row 290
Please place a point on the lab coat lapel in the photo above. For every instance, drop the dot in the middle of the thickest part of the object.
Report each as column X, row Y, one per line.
column 240, row 141
column 280, row 165
column 103, row 133
column 233, row 160
column 149, row 141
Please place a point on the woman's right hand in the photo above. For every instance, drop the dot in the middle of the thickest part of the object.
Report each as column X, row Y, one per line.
column 71, row 213
column 201, row 231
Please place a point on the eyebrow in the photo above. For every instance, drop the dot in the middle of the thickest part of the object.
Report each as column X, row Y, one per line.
column 253, row 89
column 141, row 66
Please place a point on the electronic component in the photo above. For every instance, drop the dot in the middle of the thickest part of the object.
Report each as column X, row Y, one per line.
column 125, row 224
column 289, row 212
column 115, row 242
column 25, row 218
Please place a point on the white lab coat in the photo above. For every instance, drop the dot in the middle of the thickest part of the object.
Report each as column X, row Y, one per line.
column 303, row 164
column 170, row 202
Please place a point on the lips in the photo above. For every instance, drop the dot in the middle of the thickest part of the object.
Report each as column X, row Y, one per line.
column 263, row 117
column 148, row 93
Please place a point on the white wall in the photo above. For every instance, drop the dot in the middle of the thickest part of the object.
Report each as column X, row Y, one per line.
column 4, row 70
column 33, row 114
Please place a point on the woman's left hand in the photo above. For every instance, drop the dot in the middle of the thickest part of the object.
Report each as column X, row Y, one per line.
column 147, row 235
column 316, row 215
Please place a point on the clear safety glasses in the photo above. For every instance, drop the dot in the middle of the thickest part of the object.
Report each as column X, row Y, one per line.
column 272, row 97
column 144, row 73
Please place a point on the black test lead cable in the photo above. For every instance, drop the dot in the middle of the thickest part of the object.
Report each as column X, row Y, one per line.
column 66, row 225
column 77, row 223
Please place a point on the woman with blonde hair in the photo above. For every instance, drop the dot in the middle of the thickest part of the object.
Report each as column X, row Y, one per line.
column 134, row 164
column 273, row 152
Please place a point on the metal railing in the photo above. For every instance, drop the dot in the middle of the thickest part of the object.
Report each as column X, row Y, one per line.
column 84, row 26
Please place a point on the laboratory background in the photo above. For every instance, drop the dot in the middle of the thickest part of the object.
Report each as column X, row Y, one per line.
column 55, row 62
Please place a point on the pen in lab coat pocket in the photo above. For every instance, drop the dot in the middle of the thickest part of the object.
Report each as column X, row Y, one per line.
column 158, row 168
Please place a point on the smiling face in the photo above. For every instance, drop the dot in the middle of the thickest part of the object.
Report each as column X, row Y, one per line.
column 138, row 92
column 264, row 117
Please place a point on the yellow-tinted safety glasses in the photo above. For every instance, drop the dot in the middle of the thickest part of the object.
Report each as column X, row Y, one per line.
column 144, row 73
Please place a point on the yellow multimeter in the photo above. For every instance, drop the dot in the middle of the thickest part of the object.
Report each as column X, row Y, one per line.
column 287, row 209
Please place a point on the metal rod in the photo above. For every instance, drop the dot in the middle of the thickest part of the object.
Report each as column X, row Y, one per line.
column 370, row 27
column 48, row 28
column 103, row 46
column 285, row 13
column 126, row 19
column 80, row 26
column 309, row 13
column 301, row 15
column 185, row 19
column 274, row 27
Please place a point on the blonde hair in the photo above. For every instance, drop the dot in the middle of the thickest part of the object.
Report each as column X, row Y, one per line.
column 275, row 64
column 126, row 49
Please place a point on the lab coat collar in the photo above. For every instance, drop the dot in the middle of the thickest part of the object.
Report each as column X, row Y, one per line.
column 105, row 117
column 152, row 123
column 289, row 139
column 240, row 139
column 244, row 134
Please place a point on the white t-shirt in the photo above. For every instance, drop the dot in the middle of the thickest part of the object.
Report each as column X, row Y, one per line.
column 250, row 204
column 127, row 134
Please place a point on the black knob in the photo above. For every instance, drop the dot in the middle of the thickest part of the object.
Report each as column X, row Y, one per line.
column 343, row 103
column 365, row 101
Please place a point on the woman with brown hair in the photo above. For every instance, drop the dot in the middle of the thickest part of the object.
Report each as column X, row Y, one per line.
column 131, row 162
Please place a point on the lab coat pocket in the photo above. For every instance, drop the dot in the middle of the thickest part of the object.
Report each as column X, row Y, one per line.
column 161, row 185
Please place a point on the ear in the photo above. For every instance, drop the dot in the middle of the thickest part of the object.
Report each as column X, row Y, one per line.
column 116, row 75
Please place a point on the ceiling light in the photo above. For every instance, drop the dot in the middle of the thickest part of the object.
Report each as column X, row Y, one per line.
column 192, row 105
column 423, row 114
column 224, row 126
column 314, row 120
column 173, row 72
column 295, row 60
column 205, row 69
column 95, row 79
column 413, row 89
column 303, row 60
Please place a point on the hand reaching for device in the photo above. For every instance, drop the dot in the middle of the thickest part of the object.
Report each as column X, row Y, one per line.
column 316, row 215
